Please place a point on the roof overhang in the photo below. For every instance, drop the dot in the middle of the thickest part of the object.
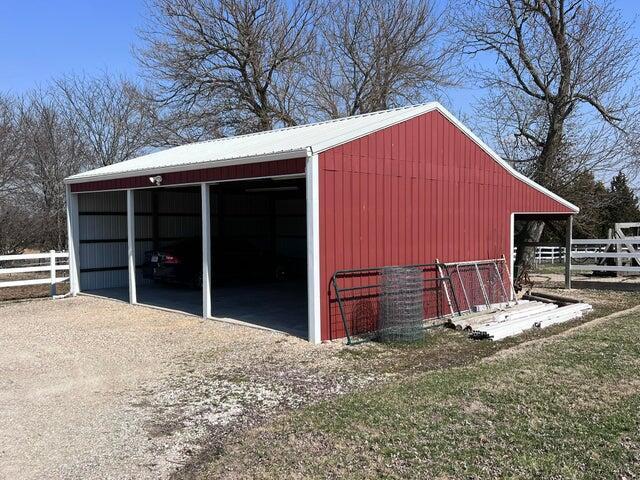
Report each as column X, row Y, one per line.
column 87, row 177
column 503, row 163
column 318, row 148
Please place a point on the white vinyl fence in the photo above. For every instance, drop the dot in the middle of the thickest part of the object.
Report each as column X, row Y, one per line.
column 593, row 255
column 546, row 255
column 606, row 255
column 32, row 269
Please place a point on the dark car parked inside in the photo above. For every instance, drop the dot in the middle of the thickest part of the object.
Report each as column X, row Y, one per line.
column 233, row 259
column 180, row 263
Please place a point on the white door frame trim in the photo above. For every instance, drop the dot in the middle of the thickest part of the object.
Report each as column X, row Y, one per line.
column 205, row 197
column 73, row 224
column 313, row 247
column 131, row 246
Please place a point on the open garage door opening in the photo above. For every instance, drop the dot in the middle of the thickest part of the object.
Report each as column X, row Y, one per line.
column 259, row 253
column 169, row 248
column 102, row 242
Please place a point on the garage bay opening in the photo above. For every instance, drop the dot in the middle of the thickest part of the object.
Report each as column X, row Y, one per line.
column 169, row 248
column 259, row 253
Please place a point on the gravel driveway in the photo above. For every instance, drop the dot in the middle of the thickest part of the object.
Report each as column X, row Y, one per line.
column 92, row 388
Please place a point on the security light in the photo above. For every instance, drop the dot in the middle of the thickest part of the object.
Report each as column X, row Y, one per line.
column 157, row 180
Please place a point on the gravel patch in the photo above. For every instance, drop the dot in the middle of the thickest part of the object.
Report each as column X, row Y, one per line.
column 95, row 388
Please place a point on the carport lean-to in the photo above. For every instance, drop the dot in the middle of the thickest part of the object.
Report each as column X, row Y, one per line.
column 274, row 214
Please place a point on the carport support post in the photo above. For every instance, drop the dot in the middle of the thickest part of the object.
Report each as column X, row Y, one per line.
column 206, row 249
column 313, row 247
column 567, row 252
column 73, row 241
column 131, row 246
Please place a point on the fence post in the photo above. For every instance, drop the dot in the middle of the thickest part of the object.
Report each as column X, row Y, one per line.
column 52, row 253
column 567, row 252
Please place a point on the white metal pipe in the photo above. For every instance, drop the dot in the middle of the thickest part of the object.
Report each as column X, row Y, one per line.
column 524, row 320
column 543, row 320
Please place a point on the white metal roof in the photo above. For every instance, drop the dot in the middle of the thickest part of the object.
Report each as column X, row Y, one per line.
column 292, row 142
column 274, row 144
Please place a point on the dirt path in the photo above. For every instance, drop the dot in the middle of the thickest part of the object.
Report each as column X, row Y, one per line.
column 94, row 388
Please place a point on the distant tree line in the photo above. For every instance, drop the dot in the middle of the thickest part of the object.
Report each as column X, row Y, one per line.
column 559, row 105
column 602, row 206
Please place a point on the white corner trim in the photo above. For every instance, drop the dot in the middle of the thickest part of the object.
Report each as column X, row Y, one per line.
column 512, row 260
column 206, row 249
column 313, row 248
column 73, row 243
column 131, row 246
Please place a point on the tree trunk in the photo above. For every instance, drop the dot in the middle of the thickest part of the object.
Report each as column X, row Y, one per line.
column 533, row 230
column 525, row 256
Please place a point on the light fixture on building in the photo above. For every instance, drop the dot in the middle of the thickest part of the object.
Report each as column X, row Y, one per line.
column 157, row 180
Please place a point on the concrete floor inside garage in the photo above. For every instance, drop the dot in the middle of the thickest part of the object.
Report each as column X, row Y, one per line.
column 251, row 304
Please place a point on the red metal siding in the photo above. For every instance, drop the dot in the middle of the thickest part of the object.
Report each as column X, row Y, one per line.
column 249, row 170
column 411, row 193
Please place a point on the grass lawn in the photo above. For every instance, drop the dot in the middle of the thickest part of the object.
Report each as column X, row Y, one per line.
column 559, row 407
column 549, row 268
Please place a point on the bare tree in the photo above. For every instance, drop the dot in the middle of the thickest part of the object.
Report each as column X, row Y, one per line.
column 237, row 61
column 109, row 114
column 11, row 160
column 16, row 228
column 560, row 101
column 52, row 150
column 377, row 54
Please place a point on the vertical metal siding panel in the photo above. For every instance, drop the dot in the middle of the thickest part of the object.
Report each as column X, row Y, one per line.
column 356, row 216
column 347, row 226
column 379, row 219
column 439, row 204
column 449, row 172
column 327, row 247
column 96, row 226
column 399, row 178
column 372, row 221
column 386, row 225
column 419, row 138
column 411, row 193
column 431, row 208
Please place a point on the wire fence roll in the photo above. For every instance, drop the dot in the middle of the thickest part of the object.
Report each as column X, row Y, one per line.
column 401, row 305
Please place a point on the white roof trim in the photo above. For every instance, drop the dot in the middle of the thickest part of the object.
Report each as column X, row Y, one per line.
column 191, row 166
column 360, row 126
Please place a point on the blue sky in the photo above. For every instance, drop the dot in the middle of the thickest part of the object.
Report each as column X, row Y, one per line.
column 41, row 39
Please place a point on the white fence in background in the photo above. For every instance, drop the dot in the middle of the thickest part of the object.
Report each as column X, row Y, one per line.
column 595, row 255
column 32, row 269
column 546, row 255
column 592, row 255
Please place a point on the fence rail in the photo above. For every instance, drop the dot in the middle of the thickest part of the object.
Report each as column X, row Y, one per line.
column 35, row 263
column 626, row 257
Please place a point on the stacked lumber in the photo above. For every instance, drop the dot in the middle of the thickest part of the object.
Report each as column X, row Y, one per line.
column 517, row 318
